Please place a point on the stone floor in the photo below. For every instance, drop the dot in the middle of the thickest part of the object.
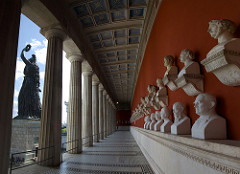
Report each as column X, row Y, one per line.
column 117, row 154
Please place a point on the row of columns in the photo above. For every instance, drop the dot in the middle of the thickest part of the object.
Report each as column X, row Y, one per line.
column 89, row 110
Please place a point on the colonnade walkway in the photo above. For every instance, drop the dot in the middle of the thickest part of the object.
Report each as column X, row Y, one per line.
column 117, row 154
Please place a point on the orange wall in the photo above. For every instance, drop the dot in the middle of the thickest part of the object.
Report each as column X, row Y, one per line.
column 183, row 24
column 122, row 117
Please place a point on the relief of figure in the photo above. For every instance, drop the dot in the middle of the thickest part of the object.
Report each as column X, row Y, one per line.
column 161, row 98
column 181, row 125
column 166, row 126
column 29, row 106
column 171, row 73
column 209, row 125
column 159, row 121
column 224, row 59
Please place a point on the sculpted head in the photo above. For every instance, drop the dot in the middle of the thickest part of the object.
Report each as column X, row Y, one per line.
column 159, row 83
column 146, row 119
column 205, row 104
column 219, row 26
column 32, row 59
column 165, row 113
column 178, row 110
column 186, row 55
column 168, row 61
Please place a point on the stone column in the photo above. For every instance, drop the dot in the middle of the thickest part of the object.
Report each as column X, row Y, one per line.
column 95, row 107
column 87, row 105
column 10, row 20
column 50, row 133
column 101, row 129
column 104, row 113
column 74, row 123
column 74, row 120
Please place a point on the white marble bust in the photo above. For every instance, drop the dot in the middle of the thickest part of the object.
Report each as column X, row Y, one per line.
column 181, row 125
column 147, row 120
column 190, row 66
column 209, row 125
column 151, row 94
column 159, row 121
column 169, row 64
column 151, row 126
column 224, row 59
column 160, row 98
column 167, row 123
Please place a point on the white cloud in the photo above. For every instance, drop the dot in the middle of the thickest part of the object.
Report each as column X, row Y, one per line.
column 19, row 68
column 16, row 93
column 35, row 43
column 41, row 53
column 42, row 74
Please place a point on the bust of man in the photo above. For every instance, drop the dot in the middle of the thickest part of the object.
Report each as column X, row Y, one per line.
column 209, row 125
column 151, row 127
column 147, row 120
column 169, row 64
column 151, row 94
column 159, row 121
column 190, row 66
column 223, row 60
column 166, row 126
column 160, row 98
column 181, row 125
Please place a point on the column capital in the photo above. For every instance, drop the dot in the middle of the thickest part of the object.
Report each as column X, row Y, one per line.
column 95, row 80
column 101, row 88
column 86, row 68
column 104, row 92
column 53, row 31
column 74, row 57
column 73, row 53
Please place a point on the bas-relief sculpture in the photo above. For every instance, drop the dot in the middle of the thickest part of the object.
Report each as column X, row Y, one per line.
column 167, row 123
column 209, row 125
column 181, row 125
column 224, row 59
column 161, row 97
column 189, row 78
column 29, row 106
column 151, row 126
column 171, row 74
column 159, row 121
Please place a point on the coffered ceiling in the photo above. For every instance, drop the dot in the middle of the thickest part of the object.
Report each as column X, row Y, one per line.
column 115, row 31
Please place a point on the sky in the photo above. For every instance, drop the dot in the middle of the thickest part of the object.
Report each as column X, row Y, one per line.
column 29, row 33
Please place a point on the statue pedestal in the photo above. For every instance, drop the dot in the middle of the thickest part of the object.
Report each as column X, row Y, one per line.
column 183, row 127
column 166, row 126
column 223, row 60
column 25, row 136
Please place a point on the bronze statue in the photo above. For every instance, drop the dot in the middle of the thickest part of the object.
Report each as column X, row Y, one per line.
column 29, row 106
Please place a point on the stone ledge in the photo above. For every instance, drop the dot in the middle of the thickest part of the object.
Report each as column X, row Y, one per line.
column 188, row 154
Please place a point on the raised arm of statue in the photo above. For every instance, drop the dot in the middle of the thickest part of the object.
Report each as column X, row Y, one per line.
column 25, row 60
